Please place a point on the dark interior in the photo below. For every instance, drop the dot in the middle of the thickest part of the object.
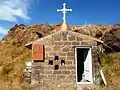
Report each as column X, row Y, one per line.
column 50, row 62
column 56, row 57
column 56, row 67
column 81, row 56
column 62, row 62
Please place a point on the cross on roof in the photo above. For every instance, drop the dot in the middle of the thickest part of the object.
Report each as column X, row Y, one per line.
column 64, row 11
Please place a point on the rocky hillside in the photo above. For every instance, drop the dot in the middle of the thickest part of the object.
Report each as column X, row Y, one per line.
column 13, row 54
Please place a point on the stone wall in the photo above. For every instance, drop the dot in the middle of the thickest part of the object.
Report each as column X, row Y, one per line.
column 63, row 46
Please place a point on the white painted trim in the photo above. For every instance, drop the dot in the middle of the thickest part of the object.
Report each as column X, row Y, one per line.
column 103, row 77
column 84, row 82
column 84, row 47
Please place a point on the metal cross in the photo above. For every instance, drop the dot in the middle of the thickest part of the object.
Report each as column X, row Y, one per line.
column 64, row 11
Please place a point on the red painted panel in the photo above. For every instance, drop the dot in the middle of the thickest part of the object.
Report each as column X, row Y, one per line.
column 37, row 52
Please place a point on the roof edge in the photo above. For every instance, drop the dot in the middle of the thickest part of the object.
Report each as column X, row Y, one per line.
column 66, row 32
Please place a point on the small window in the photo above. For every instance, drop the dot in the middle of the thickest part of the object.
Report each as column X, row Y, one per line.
column 56, row 56
column 50, row 62
column 62, row 62
column 56, row 67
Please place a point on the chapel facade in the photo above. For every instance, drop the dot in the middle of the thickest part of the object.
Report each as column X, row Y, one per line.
column 66, row 57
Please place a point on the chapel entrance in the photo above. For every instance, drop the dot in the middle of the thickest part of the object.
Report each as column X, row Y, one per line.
column 83, row 65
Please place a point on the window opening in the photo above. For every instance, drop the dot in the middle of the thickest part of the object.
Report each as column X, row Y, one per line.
column 56, row 56
column 62, row 62
column 56, row 67
column 50, row 62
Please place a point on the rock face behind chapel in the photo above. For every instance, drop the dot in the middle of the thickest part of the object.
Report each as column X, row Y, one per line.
column 61, row 46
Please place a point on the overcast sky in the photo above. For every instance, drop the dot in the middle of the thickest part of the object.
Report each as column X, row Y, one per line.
column 44, row 11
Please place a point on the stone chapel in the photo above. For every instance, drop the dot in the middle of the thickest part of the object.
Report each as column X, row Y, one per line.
column 66, row 57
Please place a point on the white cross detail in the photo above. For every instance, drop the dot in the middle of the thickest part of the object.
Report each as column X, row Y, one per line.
column 64, row 11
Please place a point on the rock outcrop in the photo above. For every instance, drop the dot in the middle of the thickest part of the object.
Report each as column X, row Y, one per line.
column 25, row 34
column 112, row 39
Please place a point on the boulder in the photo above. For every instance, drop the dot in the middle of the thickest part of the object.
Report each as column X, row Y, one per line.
column 112, row 40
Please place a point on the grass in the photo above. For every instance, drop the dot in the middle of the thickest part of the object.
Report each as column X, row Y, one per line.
column 111, row 67
column 12, row 63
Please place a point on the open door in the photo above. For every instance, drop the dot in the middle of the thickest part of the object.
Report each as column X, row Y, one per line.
column 83, row 65
column 88, row 66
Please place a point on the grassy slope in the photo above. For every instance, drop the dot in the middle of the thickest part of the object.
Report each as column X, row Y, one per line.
column 12, row 63
column 111, row 67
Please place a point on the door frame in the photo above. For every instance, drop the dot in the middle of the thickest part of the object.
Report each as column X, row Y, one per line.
column 84, row 47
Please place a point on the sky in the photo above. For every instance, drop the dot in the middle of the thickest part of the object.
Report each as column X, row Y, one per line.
column 30, row 12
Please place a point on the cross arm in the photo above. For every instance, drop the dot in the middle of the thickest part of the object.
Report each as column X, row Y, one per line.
column 68, row 10
column 59, row 10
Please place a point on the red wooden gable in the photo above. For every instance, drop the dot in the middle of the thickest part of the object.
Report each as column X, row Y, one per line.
column 37, row 52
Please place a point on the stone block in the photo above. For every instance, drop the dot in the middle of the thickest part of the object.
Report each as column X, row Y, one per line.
column 56, row 48
column 37, row 67
column 48, row 83
column 57, row 72
column 68, row 62
column 27, row 74
column 28, row 80
column 62, row 58
column 48, row 72
column 35, row 73
column 46, row 54
column 94, row 51
column 43, row 76
column 67, row 43
column 34, row 81
column 62, row 54
column 66, row 81
column 41, row 70
column 61, row 76
column 96, row 66
column 95, row 61
column 49, row 67
column 51, row 53
column 72, row 49
column 64, row 37
column 51, row 58
column 58, row 43
column 71, row 38
column 36, row 64
column 65, row 72
column 70, row 67
column 46, row 62
column 52, row 76
column 72, row 76
column 73, row 71
column 84, row 43
column 95, row 56
column 75, row 43
column 65, row 49
column 79, row 39
column 70, row 57
column 91, row 42
column 57, row 38
column 47, row 49
column 70, row 54
column 48, row 42
column 51, row 88
column 62, row 67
